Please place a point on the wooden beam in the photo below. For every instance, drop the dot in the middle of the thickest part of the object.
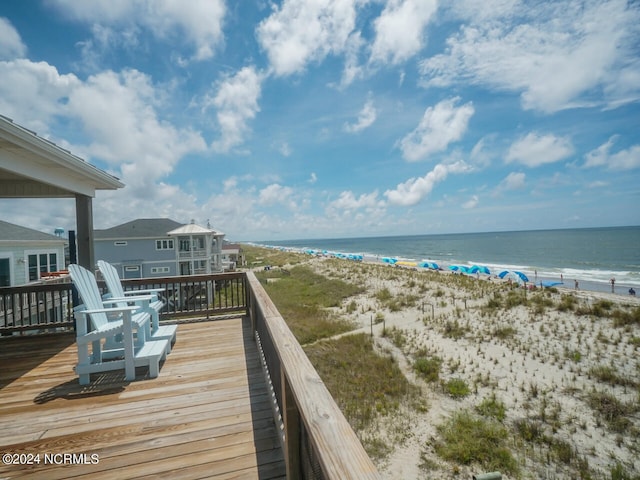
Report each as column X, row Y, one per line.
column 84, row 239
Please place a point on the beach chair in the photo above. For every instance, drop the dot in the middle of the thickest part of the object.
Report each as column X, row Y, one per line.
column 111, row 278
column 106, row 344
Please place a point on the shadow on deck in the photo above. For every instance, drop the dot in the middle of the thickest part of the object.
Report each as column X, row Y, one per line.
column 208, row 414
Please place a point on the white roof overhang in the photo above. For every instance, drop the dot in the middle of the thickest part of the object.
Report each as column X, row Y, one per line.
column 32, row 167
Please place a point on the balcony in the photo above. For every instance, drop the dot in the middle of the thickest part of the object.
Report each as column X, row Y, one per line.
column 236, row 398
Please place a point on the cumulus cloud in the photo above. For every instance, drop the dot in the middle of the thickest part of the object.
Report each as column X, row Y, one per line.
column 11, row 45
column 117, row 111
column 415, row 189
column 33, row 93
column 626, row 159
column 236, row 101
column 277, row 194
column 557, row 55
column 299, row 32
column 400, row 30
column 198, row 22
column 513, row 181
column 366, row 117
column 471, row 203
column 440, row 125
column 535, row 149
column 348, row 201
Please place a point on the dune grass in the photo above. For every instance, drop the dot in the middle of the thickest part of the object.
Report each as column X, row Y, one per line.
column 468, row 439
column 363, row 382
column 303, row 297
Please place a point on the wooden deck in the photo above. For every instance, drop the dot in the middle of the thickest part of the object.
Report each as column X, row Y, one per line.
column 208, row 414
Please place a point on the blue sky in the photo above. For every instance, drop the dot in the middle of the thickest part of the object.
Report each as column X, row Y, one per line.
column 334, row 118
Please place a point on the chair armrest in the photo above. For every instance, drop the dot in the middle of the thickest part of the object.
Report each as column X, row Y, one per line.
column 138, row 298
column 131, row 308
column 143, row 291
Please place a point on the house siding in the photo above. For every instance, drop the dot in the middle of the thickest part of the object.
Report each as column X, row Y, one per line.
column 136, row 252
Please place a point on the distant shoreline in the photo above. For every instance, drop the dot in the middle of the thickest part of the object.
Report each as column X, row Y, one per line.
column 568, row 283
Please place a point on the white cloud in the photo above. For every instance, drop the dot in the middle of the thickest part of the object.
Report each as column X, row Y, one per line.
column 348, row 201
column 561, row 54
column 198, row 22
column 627, row 159
column 352, row 68
column 313, row 178
column 237, row 103
column 513, row 181
column 471, row 203
column 275, row 194
column 11, row 45
column 439, row 126
column 400, row 30
column 534, row 150
column 300, row 32
column 117, row 111
column 33, row 93
column 415, row 189
column 366, row 117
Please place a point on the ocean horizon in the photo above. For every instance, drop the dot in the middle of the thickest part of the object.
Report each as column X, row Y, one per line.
column 591, row 256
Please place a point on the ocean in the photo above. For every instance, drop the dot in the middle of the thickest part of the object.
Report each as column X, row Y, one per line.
column 592, row 256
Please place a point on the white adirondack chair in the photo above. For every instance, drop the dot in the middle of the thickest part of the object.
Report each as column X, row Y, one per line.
column 114, row 285
column 112, row 340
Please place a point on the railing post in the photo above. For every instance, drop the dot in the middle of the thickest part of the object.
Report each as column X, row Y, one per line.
column 291, row 420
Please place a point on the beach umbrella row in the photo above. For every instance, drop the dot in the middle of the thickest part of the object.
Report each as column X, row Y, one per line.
column 470, row 270
column 518, row 276
column 430, row 265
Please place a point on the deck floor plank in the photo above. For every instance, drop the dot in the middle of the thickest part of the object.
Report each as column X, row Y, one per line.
column 207, row 415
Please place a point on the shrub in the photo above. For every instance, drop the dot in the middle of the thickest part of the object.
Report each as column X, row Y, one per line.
column 428, row 368
column 457, row 388
column 468, row 439
column 493, row 408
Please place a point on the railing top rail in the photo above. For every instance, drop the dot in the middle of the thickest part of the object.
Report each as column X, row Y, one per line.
column 341, row 453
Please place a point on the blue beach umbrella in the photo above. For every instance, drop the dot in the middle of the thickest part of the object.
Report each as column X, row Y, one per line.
column 519, row 276
column 480, row 268
column 455, row 268
column 389, row 260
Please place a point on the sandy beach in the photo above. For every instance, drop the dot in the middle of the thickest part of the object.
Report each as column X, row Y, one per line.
column 563, row 365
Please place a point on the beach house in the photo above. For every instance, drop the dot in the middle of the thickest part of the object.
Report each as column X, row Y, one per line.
column 160, row 247
column 26, row 255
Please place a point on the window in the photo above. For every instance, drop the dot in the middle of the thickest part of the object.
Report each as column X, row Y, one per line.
column 120, row 243
column 166, row 244
column 41, row 263
column 159, row 269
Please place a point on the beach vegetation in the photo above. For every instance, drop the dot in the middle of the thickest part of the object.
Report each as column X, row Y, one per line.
column 504, row 332
column 456, row 388
column 303, row 298
column 619, row 472
column 397, row 336
column 567, row 303
column 428, row 367
column 612, row 410
column 472, row 440
column 363, row 382
column 607, row 374
column 454, row 329
column 623, row 318
column 259, row 256
column 491, row 407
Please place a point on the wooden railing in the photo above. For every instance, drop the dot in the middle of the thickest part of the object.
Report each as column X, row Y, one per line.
column 36, row 307
column 317, row 440
column 43, row 307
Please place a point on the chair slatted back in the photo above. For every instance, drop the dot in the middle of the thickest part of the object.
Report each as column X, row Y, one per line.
column 111, row 278
column 89, row 292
